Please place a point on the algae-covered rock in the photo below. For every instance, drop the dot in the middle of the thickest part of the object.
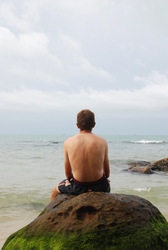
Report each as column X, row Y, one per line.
column 94, row 220
column 143, row 170
column 161, row 165
column 145, row 167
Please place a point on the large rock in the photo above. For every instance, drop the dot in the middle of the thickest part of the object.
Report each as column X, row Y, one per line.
column 94, row 221
column 138, row 164
column 143, row 170
column 145, row 167
column 161, row 165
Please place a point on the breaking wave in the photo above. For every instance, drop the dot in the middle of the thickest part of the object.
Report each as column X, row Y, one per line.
column 147, row 142
column 145, row 189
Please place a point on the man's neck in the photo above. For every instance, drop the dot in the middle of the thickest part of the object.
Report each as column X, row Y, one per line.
column 85, row 131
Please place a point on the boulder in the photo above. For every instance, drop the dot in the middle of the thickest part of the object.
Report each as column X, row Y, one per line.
column 161, row 165
column 143, row 170
column 145, row 167
column 93, row 221
column 138, row 164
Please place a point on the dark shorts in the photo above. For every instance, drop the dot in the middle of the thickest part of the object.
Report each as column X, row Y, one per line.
column 76, row 187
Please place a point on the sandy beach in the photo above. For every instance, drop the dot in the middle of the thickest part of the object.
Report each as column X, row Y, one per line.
column 12, row 227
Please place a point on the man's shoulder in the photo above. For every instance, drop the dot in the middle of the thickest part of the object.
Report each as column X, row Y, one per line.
column 79, row 137
column 100, row 138
column 70, row 139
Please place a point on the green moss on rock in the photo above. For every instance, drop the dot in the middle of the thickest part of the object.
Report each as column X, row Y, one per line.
column 94, row 221
column 151, row 237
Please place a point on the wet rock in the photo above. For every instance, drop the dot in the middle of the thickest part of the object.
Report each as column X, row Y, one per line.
column 94, row 220
column 143, row 170
column 161, row 165
column 145, row 167
column 138, row 163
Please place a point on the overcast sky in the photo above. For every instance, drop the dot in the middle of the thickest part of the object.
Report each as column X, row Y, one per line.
column 60, row 56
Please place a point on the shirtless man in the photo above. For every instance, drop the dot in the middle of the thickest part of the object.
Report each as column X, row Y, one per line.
column 85, row 160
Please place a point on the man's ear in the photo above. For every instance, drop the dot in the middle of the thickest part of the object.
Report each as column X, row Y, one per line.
column 77, row 125
column 94, row 124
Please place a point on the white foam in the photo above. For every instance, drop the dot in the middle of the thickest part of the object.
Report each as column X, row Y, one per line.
column 145, row 189
column 147, row 142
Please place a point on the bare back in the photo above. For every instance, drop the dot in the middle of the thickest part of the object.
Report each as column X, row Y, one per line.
column 86, row 157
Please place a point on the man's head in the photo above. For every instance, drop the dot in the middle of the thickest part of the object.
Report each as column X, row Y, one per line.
column 85, row 120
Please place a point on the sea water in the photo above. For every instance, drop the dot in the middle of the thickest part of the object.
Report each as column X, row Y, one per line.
column 30, row 165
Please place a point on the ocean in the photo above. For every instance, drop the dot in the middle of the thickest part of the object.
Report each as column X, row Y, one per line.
column 30, row 165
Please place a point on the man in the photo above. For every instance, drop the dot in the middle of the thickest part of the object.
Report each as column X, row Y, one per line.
column 85, row 160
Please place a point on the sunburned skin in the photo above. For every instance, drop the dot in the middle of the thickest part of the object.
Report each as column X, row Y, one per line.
column 79, row 160
column 85, row 158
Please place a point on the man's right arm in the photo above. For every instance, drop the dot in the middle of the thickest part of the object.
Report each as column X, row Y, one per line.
column 106, row 166
column 67, row 165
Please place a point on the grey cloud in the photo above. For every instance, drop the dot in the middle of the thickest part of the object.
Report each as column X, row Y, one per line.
column 59, row 56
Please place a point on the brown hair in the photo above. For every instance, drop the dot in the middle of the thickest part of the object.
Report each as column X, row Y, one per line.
column 85, row 119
